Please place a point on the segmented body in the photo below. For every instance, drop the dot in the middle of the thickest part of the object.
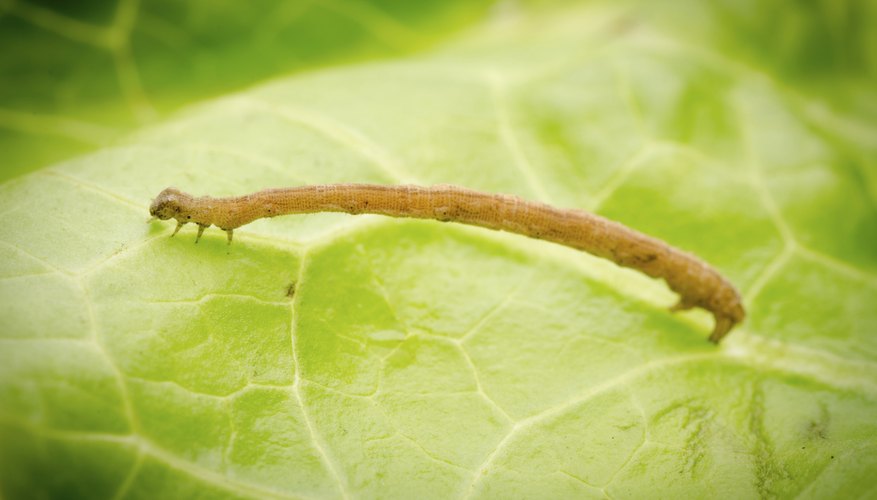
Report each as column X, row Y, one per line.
column 697, row 283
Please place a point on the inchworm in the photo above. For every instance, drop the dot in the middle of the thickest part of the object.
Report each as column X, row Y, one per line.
column 697, row 284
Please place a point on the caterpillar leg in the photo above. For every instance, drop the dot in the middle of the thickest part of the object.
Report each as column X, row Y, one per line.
column 682, row 305
column 177, row 230
column 201, row 229
column 723, row 326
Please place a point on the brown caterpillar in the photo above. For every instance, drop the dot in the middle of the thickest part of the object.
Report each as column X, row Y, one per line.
column 697, row 284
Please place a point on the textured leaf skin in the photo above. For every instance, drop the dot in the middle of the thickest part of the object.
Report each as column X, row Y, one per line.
column 328, row 356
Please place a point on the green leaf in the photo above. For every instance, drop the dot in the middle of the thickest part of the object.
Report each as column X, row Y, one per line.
column 78, row 75
column 337, row 356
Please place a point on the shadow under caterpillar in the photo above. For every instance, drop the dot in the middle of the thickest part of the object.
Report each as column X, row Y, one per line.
column 696, row 282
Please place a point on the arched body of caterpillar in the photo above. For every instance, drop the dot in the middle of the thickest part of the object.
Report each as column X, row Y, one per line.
column 697, row 283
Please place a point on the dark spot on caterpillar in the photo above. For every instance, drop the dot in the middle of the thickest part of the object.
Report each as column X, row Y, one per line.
column 290, row 290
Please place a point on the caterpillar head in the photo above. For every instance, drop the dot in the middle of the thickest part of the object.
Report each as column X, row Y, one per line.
column 168, row 204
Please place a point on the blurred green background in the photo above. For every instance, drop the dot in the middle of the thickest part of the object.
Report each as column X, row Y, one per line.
column 75, row 76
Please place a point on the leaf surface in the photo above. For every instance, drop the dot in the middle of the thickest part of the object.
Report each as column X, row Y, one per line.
column 337, row 356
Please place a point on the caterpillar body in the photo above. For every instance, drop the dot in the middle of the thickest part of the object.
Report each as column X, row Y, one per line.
column 696, row 282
